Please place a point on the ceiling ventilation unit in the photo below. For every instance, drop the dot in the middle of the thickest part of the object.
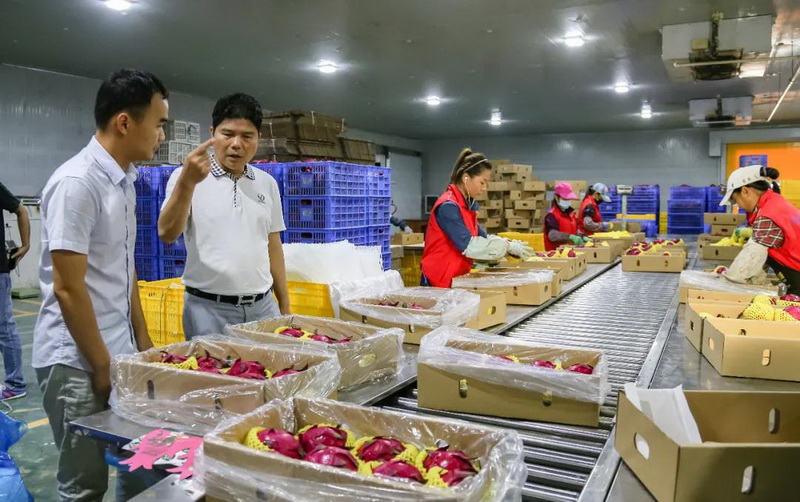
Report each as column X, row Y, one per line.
column 721, row 112
column 719, row 49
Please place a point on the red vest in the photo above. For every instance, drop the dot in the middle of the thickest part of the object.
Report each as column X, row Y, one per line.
column 597, row 218
column 441, row 260
column 566, row 223
column 773, row 206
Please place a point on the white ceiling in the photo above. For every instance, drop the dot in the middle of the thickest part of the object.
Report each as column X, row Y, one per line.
column 478, row 55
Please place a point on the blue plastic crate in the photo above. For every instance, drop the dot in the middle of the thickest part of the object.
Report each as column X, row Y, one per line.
column 685, row 230
column 147, row 268
column 274, row 169
column 387, row 261
column 357, row 236
column 714, row 196
column 172, row 267
column 149, row 183
column 325, row 212
column 650, row 228
column 379, row 211
column 147, row 243
column 175, row 250
column 687, row 192
column 326, row 179
column 380, row 235
column 166, row 173
column 636, row 207
column 686, row 206
column 147, row 209
column 647, row 190
column 379, row 181
column 685, row 220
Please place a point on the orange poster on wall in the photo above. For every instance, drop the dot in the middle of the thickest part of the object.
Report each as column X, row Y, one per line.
column 785, row 157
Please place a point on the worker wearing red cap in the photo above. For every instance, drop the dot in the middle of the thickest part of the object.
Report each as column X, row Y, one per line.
column 589, row 218
column 561, row 223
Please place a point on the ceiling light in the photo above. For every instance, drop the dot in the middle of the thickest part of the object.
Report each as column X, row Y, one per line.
column 327, row 67
column 120, row 5
column 497, row 118
column 433, row 101
column 647, row 111
column 574, row 40
column 621, row 88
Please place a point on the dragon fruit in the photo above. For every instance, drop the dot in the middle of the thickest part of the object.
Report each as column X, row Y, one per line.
column 509, row 358
column 248, row 369
column 282, row 442
column 209, row 364
column 292, row 331
column 322, row 338
column 380, row 448
column 449, row 460
column 586, row 369
column 168, row 358
column 399, row 469
column 334, row 457
column 287, row 371
column 452, row 478
column 343, row 340
column 793, row 311
column 387, row 303
column 544, row 364
column 791, row 298
column 323, row 435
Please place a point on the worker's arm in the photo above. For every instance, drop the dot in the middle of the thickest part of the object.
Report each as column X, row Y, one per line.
column 143, row 341
column 180, row 189
column 24, row 224
column 553, row 231
column 490, row 248
column 589, row 223
column 749, row 263
column 277, row 266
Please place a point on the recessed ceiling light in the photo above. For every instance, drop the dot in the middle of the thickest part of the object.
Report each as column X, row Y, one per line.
column 120, row 5
column 574, row 40
column 621, row 88
column 497, row 118
column 433, row 101
column 327, row 67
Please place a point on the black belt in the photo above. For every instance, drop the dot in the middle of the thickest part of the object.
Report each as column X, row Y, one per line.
column 241, row 300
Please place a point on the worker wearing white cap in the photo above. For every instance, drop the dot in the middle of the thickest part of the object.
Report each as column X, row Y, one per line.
column 589, row 218
column 775, row 239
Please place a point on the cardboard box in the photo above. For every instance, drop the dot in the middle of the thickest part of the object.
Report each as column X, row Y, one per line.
column 654, row 263
column 413, row 332
column 397, row 264
column 569, row 266
column 577, row 186
column 533, row 294
column 738, row 438
column 597, row 254
column 723, row 230
column 396, row 251
column 753, row 349
column 483, row 213
column 492, row 310
column 683, row 292
column 719, row 296
column 493, row 223
column 494, row 204
column 372, row 353
column 559, row 274
column 694, row 325
column 501, row 186
column 535, row 186
column 519, row 223
column 621, row 243
column 404, row 239
column 497, row 163
column 509, row 168
column 525, row 205
column 721, row 253
column 439, row 389
column 515, row 195
column 734, row 219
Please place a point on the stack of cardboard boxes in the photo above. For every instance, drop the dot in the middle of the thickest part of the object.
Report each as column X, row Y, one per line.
column 515, row 199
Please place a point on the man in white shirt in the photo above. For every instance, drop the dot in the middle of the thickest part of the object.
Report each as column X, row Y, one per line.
column 231, row 222
column 90, row 308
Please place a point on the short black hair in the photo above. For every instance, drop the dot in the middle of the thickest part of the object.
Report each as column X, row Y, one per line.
column 126, row 90
column 237, row 106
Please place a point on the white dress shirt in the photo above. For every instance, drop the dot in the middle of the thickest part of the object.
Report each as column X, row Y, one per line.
column 88, row 207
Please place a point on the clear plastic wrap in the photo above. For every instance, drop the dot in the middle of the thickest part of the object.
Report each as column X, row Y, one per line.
column 711, row 281
column 159, row 395
column 475, row 354
column 327, row 263
column 232, row 471
column 502, row 279
column 437, row 306
column 388, row 281
column 372, row 352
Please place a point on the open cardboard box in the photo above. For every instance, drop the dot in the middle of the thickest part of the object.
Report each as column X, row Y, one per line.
column 242, row 473
column 723, row 230
column 373, row 353
column 721, row 253
column 413, row 332
column 491, row 312
column 734, row 219
column 440, row 389
column 694, row 323
column 753, row 349
column 597, row 254
column 137, row 376
column 684, row 289
column 654, row 263
column 559, row 274
column 720, row 296
column 523, row 293
column 572, row 267
column 404, row 239
column 751, row 440
column 622, row 243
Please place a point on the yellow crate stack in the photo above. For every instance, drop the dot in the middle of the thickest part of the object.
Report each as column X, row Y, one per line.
column 162, row 304
column 309, row 298
column 791, row 190
column 662, row 223
column 536, row 241
column 410, row 269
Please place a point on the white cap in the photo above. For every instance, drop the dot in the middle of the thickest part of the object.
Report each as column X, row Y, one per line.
column 741, row 177
column 602, row 190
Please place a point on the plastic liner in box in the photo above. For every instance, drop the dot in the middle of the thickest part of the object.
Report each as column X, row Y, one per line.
column 711, row 281
column 372, row 354
column 503, row 280
column 441, row 307
column 233, row 471
column 390, row 280
column 447, row 348
column 158, row 395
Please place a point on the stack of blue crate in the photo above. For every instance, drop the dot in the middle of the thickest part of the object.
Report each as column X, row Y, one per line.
column 646, row 199
column 687, row 206
column 714, row 196
column 154, row 260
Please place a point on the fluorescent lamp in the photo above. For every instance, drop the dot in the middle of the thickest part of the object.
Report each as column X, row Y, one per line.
column 574, row 41
column 621, row 88
column 327, row 67
column 433, row 101
column 497, row 119
column 120, row 5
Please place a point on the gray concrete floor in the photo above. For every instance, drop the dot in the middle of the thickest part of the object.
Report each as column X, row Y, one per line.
column 36, row 454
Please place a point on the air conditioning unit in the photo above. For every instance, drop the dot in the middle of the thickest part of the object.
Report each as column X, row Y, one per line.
column 721, row 112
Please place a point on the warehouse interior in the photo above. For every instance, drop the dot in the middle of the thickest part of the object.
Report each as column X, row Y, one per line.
column 661, row 101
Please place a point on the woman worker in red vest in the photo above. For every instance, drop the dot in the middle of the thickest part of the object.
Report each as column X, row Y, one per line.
column 454, row 240
column 775, row 238
column 589, row 218
column 561, row 224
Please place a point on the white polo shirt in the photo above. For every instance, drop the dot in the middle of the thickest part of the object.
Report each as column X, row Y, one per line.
column 227, row 235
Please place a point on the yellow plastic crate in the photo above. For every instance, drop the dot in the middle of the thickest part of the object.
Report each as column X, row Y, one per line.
column 309, row 298
column 536, row 241
column 162, row 304
column 791, row 189
column 642, row 217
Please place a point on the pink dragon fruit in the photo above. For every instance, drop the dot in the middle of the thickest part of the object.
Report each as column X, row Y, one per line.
column 543, row 364
column 334, row 457
column 293, row 332
column 208, row 364
column 793, row 311
column 253, row 370
column 506, row 358
column 168, row 358
column 449, row 460
column 344, row 340
column 387, row 303
column 282, row 442
column 322, row 338
column 791, row 298
column 287, row 371
column 586, row 369
column 323, row 435
column 452, row 478
column 399, row 469
column 380, row 448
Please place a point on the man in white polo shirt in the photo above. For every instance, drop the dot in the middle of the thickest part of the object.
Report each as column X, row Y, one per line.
column 231, row 222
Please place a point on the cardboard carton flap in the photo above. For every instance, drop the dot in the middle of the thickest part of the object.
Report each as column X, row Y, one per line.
column 499, row 452
column 502, row 280
column 476, row 355
column 710, row 281
column 440, row 307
